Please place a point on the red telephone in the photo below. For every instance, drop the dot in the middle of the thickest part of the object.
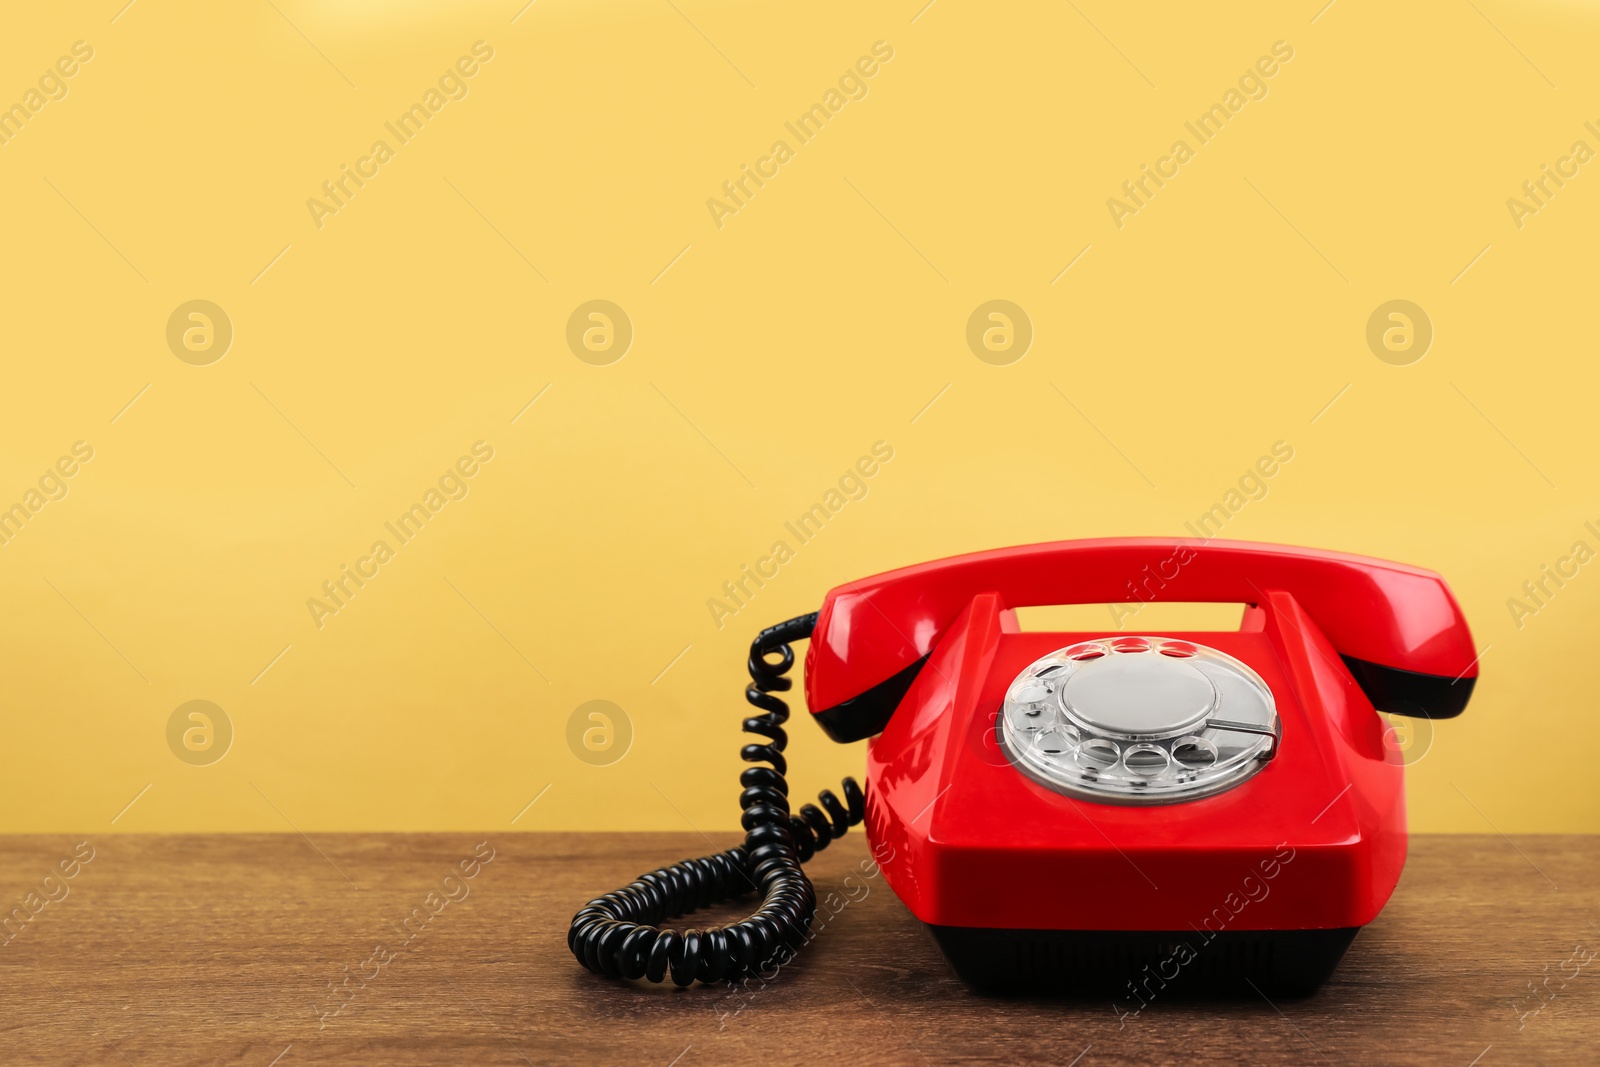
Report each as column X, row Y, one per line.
column 1085, row 810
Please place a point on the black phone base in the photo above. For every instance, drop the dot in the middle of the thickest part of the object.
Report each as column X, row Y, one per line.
column 1136, row 967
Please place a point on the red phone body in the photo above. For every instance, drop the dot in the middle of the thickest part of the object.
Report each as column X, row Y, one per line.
column 1269, row 879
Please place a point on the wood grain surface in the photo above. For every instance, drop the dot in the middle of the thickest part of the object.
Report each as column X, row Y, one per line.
column 250, row 949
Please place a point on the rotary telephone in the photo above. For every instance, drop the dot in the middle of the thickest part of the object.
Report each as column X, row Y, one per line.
column 1083, row 810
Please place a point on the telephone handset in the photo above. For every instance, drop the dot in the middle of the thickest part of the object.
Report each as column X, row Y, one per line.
column 1082, row 809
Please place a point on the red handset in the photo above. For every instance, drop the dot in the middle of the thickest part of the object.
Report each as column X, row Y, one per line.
column 1095, row 810
column 1397, row 628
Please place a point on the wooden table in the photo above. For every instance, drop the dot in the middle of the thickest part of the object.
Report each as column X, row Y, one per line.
column 226, row 949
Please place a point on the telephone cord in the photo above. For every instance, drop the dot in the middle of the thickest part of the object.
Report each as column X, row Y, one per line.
column 619, row 934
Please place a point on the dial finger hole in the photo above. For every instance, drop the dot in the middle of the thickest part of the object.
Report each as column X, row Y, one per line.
column 1097, row 754
column 1029, row 719
column 1130, row 644
column 1194, row 752
column 1146, row 760
column 1178, row 649
column 1054, row 742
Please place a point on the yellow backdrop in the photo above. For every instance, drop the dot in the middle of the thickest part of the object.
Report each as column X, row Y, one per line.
column 397, row 382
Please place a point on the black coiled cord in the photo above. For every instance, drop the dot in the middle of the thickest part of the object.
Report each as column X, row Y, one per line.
column 618, row 935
